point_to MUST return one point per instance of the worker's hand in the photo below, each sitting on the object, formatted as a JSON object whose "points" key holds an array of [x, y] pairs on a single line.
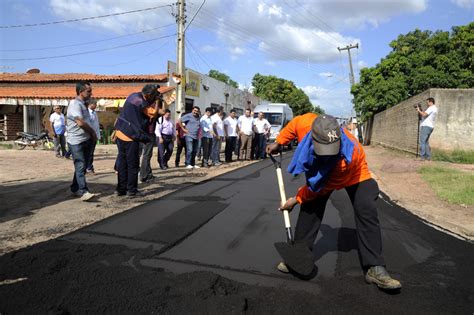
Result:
{"points": [[160, 140], [289, 204], [272, 148]]}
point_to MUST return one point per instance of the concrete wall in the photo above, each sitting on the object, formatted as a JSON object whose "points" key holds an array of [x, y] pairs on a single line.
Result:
{"points": [[396, 127]]}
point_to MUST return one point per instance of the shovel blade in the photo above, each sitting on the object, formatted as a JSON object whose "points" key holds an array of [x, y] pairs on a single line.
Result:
{"points": [[296, 256]]}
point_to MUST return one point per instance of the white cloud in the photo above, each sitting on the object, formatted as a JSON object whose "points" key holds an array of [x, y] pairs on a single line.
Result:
{"points": [[209, 48], [362, 64], [313, 92], [465, 4], [270, 63], [127, 23], [326, 74]]}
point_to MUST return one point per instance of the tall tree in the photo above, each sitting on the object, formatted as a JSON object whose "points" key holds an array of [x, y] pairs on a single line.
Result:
{"points": [[223, 77], [278, 90], [419, 60]]}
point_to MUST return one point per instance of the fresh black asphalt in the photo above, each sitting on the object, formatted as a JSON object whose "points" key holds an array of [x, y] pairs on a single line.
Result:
{"points": [[228, 225]]}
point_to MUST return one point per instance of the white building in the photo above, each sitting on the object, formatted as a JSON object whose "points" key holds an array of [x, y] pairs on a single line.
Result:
{"points": [[204, 91]]}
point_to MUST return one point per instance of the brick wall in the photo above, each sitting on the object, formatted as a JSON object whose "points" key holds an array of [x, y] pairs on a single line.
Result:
{"points": [[396, 127], [13, 123]]}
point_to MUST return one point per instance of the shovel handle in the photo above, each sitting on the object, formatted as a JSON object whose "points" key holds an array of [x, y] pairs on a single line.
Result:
{"points": [[281, 187]]}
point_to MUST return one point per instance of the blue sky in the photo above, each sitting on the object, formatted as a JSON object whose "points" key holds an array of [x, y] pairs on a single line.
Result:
{"points": [[293, 39]]}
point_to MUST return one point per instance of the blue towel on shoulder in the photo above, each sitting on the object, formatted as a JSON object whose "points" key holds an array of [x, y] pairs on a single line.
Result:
{"points": [[316, 168]]}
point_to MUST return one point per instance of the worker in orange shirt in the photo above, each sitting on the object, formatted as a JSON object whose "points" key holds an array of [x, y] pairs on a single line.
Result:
{"points": [[132, 125], [332, 159]]}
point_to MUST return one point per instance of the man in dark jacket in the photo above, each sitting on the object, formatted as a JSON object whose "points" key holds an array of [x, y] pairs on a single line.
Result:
{"points": [[132, 129]]}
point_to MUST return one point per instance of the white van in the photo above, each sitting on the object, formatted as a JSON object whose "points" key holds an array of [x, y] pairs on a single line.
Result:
{"points": [[277, 114]]}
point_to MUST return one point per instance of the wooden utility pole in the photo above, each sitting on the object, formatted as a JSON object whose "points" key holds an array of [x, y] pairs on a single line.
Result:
{"points": [[180, 66], [348, 48]]}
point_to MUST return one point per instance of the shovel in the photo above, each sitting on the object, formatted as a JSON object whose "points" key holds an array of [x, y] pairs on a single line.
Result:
{"points": [[296, 256]]}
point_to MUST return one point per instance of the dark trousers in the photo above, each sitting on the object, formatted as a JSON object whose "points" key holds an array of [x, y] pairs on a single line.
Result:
{"points": [[206, 149], [80, 156], [363, 197], [146, 151], [165, 150], [60, 145], [230, 143], [181, 144], [260, 141], [90, 164], [128, 164]]}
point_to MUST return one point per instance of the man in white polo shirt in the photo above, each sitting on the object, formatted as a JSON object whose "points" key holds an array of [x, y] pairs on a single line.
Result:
{"points": [[262, 128], [245, 130], [428, 118], [230, 130]]}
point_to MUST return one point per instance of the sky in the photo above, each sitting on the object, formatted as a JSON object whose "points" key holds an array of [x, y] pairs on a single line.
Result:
{"points": [[296, 40]]}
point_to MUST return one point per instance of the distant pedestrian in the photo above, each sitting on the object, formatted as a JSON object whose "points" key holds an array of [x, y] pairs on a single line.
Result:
{"points": [[58, 125], [218, 127], [261, 128], [146, 151], [191, 126], [230, 131], [180, 142], [428, 119], [132, 128], [165, 136], [80, 136], [95, 124], [245, 130], [207, 136]]}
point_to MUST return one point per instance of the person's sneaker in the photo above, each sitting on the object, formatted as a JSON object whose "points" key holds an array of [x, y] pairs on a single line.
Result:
{"points": [[189, 167], [137, 193], [283, 268], [195, 166], [217, 163], [76, 194], [87, 196], [119, 193], [379, 276]]}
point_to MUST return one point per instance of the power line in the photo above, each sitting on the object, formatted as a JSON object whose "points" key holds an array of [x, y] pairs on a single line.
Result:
{"points": [[87, 43], [199, 9], [87, 52], [124, 62], [82, 19]]}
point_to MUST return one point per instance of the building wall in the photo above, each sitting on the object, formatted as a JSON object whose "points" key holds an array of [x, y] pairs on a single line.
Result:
{"points": [[397, 127], [212, 91]]}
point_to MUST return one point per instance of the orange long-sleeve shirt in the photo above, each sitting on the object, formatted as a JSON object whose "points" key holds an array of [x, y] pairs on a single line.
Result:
{"points": [[342, 175]]}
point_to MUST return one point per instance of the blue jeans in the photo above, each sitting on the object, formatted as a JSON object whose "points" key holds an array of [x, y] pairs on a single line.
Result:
{"points": [[80, 155], [216, 150], [425, 150], [192, 146]]}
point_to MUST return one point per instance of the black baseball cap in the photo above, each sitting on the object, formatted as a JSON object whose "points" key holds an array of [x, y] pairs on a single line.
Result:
{"points": [[326, 134]]}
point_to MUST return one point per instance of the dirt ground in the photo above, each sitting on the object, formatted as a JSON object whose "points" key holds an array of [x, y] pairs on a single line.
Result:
{"points": [[36, 204]]}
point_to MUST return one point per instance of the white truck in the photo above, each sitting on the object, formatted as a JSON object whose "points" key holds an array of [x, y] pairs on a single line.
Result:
{"points": [[277, 114]]}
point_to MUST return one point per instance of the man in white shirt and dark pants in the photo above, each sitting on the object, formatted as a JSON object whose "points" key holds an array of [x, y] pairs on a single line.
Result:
{"points": [[58, 124], [261, 127], [428, 118], [218, 127], [245, 130], [230, 131]]}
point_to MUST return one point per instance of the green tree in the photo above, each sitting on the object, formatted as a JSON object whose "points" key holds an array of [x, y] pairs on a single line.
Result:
{"points": [[223, 77], [419, 60], [278, 90]]}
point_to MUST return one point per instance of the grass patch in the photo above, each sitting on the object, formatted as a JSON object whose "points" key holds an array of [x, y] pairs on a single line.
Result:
{"points": [[456, 156], [6, 146], [449, 184]]}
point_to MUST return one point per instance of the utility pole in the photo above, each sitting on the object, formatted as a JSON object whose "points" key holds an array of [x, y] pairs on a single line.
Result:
{"points": [[351, 77], [180, 66], [348, 48]]}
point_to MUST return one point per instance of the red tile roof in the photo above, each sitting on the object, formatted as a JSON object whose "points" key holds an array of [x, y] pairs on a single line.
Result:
{"points": [[68, 91], [74, 77]]}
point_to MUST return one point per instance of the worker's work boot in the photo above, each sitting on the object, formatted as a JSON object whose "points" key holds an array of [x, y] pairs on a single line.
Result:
{"points": [[282, 267], [379, 275]]}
